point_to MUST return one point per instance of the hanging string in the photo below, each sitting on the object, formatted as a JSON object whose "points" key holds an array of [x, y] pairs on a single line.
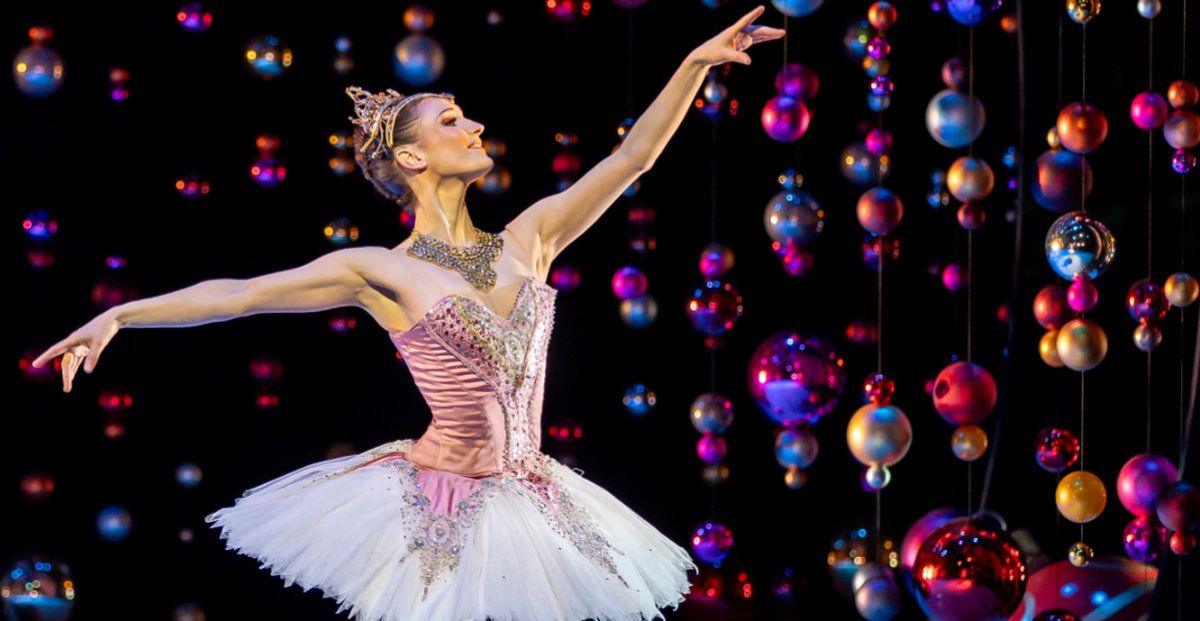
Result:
{"points": [[1149, 219], [970, 236]]}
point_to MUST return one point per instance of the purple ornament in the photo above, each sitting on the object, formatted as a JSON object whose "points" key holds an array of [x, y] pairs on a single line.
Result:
{"points": [[881, 85], [628, 283], [1082, 295], [1148, 110], [1178, 507], [711, 448], [879, 48], [711, 542], [954, 277], [1183, 161], [796, 377], [1145, 539], [1057, 449], [879, 142], [797, 80], [1146, 301]]}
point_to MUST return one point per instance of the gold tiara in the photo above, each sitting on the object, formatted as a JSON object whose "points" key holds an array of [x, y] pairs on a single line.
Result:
{"points": [[377, 111]]}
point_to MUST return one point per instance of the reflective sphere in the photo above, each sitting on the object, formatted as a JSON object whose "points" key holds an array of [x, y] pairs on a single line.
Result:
{"points": [[1182, 94], [1147, 337], [970, 178], [1081, 344], [1080, 554], [1181, 289], [954, 119], [1183, 161], [878, 388], [1082, 11], [1183, 544], [1082, 295], [862, 168], [784, 118], [1178, 507], [954, 74], [796, 377], [969, 442], [1146, 301], [1056, 449], [964, 393], [1149, 8], [1145, 539], [969, 12], [876, 478], [712, 413], [793, 215], [876, 594], [1148, 110], [1064, 179], [797, 8], [881, 14], [1048, 348], [1081, 496], [880, 210], [38, 69], [798, 80], [711, 542], [1082, 127], [711, 448], [418, 59], [1050, 307], [969, 570], [715, 308], [920, 531], [1182, 129], [879, 434], [1079, 243], [796, 447], [715, 260], [971, 215]]}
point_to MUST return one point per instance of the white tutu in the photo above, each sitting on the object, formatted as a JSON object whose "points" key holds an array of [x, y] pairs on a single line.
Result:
{"points": [[360, 530]]}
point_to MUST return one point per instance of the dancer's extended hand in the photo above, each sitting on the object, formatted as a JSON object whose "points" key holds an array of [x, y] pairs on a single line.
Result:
{"points": [[86, 343], [731, 43]]}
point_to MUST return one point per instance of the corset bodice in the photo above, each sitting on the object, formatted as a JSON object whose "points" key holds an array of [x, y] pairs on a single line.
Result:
{"points": [[482, 377]]}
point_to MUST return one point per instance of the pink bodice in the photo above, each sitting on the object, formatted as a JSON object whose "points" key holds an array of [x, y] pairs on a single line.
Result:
{"points": [[482, 377]]}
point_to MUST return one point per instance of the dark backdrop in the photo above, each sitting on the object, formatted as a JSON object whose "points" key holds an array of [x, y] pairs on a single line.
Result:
{"points": [[106, 170]]}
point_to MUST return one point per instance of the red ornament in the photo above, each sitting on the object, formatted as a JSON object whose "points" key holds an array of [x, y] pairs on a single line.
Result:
{"points": [[964, 393], [969, 570]]}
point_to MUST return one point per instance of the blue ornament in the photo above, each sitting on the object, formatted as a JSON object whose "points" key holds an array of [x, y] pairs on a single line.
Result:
{"points": [[418, 59], [797, 8]]}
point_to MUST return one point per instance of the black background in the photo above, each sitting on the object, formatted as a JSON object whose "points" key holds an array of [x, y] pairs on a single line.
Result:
{"points": [[105, 170]]}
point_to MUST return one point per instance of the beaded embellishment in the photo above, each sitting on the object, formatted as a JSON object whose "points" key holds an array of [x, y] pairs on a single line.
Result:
{"points": [[473, 262]]}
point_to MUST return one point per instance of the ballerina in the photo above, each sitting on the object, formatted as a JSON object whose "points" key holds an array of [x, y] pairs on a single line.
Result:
{"points": [[471, 520]]}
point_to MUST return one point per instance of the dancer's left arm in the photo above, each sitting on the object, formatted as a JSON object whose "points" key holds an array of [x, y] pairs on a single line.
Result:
{"points": [[556, 220]]}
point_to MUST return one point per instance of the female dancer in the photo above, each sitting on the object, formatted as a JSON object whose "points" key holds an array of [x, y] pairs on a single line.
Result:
{"points": [[471, 520]]}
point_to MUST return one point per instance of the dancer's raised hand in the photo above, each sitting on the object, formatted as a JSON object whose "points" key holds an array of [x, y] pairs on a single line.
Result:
{"points": [[84, 344], [730, 45]]}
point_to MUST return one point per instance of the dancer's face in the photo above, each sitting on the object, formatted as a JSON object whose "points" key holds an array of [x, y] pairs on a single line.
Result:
{"points": [[450, 144]]}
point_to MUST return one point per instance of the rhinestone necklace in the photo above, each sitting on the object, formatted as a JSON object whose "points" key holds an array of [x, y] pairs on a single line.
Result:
{"points": [[473, 262]]}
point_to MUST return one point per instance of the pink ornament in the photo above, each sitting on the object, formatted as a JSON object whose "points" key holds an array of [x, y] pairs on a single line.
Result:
{"points": [[797, 80], [969, 570], [964, 393], [711, 448], [954, 277], [1082, 295], [1148, 110], [785, 118], [1142, 480], [628, 283], [879, 142]]}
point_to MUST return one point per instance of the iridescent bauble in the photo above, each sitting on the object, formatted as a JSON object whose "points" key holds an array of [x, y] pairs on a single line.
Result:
{"points": [[796, 447], [38, 69], [879, 435], [1050, 307], [1183, 161], [1178, 507], [1082, 127], [1182, 129], [784, 118], [880, 210], [1145, 539], [1056, 449], [879, 48], [1181, 289], [920, 531], [268, 56], [964, 393], [860, 167], [875, 478], [881, 85], [1082, 344], [970, 178], [1182, 94], [1081, 496], [878, 388], [1149, 8], [1079, 243], [1146, 301], [712, 413], [969, 12], [629, 282], [797, 8], [1147, 337], [969, 442], [881, 14], [797, 80], [1148, 110], [711, 542], [1080, 554], [1062, 177], [876, 594], [711, 448], [954, 119], [969, 569], [715, 260], [1082, 11], [418, 59], [793, 215], [715, 308], [796, 377]]}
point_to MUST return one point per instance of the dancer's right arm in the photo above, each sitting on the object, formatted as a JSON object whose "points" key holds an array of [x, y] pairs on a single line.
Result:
{"points": [[329, 281]]}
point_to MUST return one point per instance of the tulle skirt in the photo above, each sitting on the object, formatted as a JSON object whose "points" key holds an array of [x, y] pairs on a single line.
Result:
{"points": [[390, 541]]}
